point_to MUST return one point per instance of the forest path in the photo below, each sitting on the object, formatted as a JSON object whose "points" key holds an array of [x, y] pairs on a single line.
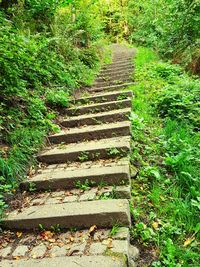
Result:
{"points": [[83, 183]]}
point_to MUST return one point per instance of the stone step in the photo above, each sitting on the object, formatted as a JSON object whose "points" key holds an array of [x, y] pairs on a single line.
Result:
{"points": [[102, 213], [72, 261], [99, 107], [113, 77], [102, 97], [117, 66], [91, 132], [115, 174], [117, 71], [82, 192], [118, 63], [111, 87], [92, 150], [113, 82], [98, 118]]}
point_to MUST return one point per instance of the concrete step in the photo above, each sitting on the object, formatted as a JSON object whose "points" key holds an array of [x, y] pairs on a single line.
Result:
{"points": [[102, 97], [98, 118], [61, 178], [72, 261], [111, 87], [99, 107], [91, 132], [77, 194], [113, 77], [117, 66], [92, 150], [117, 71], [118, 63], [102, 213], [113, 82]]}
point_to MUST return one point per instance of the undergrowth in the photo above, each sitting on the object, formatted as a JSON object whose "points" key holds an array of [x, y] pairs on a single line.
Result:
{"points": [[45, 54], [166, 148]]}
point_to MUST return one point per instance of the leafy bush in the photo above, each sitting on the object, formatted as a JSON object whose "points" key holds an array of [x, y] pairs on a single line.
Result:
{"points": [[57, 98], [166, 148], [43, 59], [181, 102]]}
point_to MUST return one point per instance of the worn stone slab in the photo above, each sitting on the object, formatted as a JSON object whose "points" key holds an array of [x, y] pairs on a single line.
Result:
{"points": [[92, 150], [103, 213], [92, 132], [74, 261], [99, 107], [116, 71], [111, 87], [116, 65], [5, 252], [111, 82], [98, 118], [113, 77], [106, 96], [67, 179], [20, 251], [123, 191], [38, 251]]}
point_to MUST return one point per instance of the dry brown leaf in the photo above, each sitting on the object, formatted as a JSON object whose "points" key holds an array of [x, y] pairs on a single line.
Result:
{"points": [[92, 229], [19, 234]]}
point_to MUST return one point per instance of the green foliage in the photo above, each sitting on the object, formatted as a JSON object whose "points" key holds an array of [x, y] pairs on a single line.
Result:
{"points": [[48, 48], [165, 204], [57, 98], [171, 27]]}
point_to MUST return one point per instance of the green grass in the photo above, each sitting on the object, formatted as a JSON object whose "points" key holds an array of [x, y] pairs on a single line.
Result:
{"points": [[166, 203]]}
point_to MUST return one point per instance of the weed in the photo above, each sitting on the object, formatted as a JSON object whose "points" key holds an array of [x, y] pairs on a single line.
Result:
{"points": [[32, 187], [113, 151], [114, 230], [83, 186], [84, 156], [165, 143], [56, 228], [41, 227]]}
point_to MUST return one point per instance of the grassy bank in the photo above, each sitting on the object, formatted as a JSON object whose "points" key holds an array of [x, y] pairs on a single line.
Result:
{"points": [[166, 149], [45, 55]]}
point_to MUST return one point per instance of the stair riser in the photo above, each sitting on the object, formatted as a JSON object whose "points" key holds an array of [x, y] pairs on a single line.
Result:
{"points": [[118, 71], [70, 183], [91, 155], [67, 222], [105, 107], [112, 78], [110, 88], [80, 215], [96, 135], [103, 98], [96, 121], [108, 83], [118, 63], [118, 66]]}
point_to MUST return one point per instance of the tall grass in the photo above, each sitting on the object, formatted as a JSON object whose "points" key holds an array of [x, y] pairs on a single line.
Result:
{"points": [[167, 152]]}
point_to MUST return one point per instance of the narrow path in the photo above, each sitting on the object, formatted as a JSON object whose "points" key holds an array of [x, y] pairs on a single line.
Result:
{"points": [[83, 183]]}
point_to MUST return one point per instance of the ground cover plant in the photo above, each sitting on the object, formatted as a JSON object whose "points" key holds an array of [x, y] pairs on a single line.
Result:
{"points": [[46, 51], [165, 205]]}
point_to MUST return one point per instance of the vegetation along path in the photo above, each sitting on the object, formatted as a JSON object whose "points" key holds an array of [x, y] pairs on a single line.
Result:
{"points": [[82, 184]]}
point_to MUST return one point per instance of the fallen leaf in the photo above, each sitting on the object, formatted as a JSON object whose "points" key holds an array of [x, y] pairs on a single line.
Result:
{"points": [[16, 258], [188, 241], [71, 239], [19, 234], [110, 245], [155, 225], [92, 229]]}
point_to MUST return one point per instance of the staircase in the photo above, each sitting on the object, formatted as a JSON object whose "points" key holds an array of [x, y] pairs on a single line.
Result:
{"points": [[76, 212]]}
